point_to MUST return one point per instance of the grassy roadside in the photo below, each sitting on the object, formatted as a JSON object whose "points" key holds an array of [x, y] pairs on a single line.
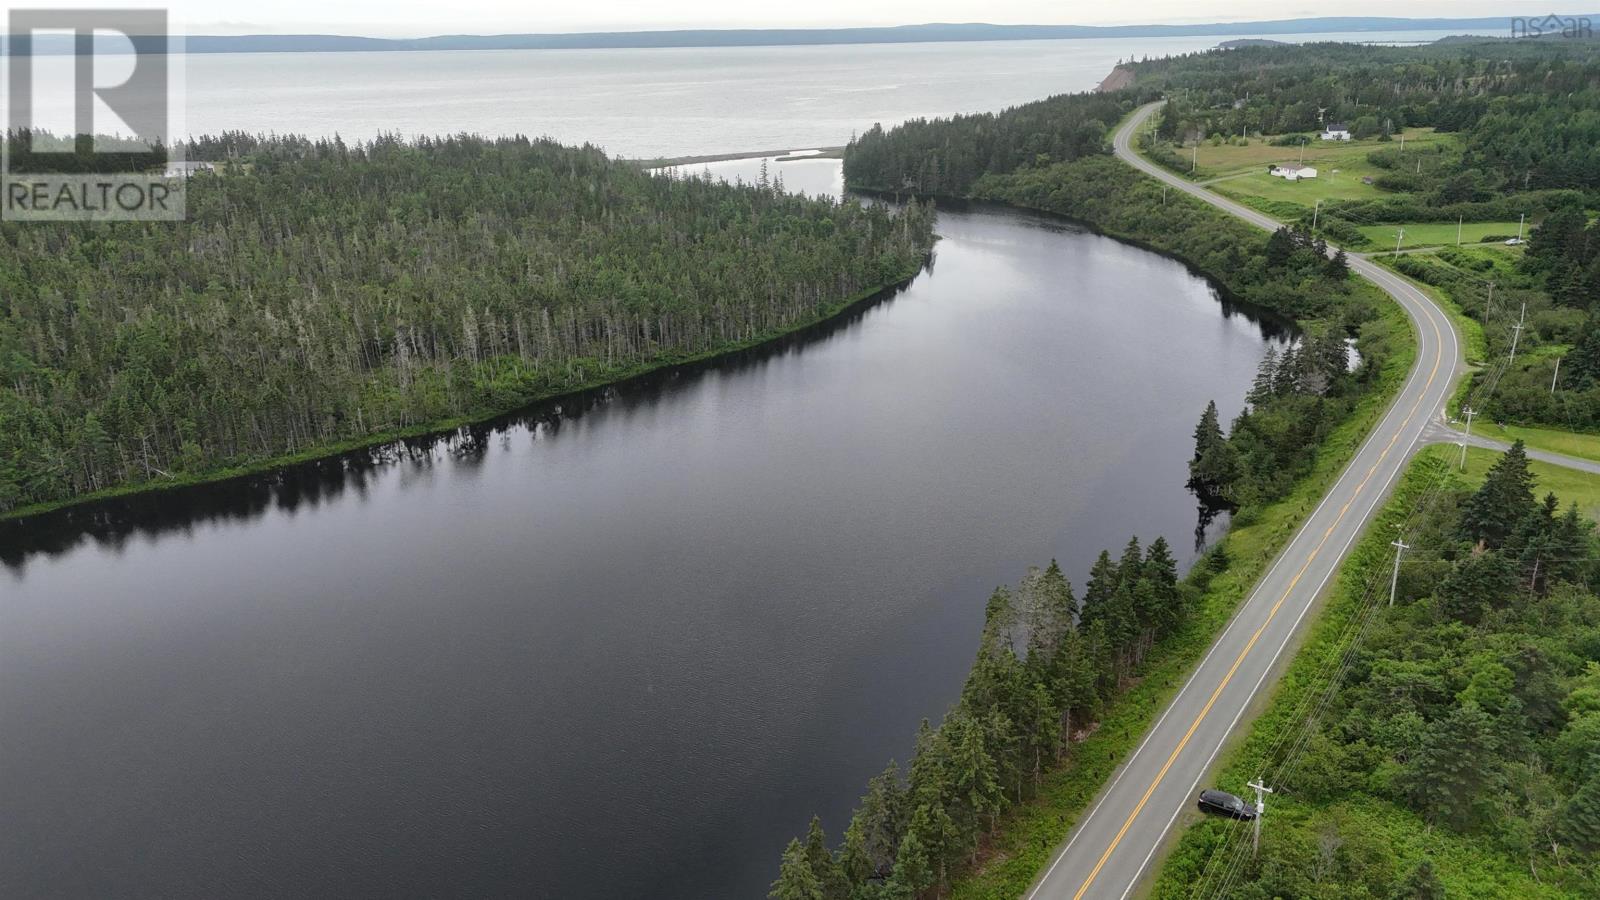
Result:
{"points": [[1031, 832], [1474, 347], [1570, 485], [1468, 870], [610, 377], [1567, 443]]}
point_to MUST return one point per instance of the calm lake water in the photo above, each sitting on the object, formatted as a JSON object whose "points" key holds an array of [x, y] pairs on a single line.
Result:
{"points": [[624, 648], [659, 102], [624, 652]]}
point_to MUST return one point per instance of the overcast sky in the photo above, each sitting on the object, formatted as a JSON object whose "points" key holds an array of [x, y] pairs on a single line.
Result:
{"points": [[414, 18]]}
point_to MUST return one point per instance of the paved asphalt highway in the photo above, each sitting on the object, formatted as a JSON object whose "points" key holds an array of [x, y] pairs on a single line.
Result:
{"points": [[1111, 847]]}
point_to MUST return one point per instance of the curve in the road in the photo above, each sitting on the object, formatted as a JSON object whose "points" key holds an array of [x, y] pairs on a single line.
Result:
{"points": [[1111, 847]]}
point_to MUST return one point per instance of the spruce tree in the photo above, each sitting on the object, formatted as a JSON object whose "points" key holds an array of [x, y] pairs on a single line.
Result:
{"points": [[1208, 433], [1450, 771], [881, 818], [1422, 884], [913, 869], [823, 864], [1504, 499], [1338, 267], [796, 881], [1099, 588], [1263, 388], [1579, 824]]}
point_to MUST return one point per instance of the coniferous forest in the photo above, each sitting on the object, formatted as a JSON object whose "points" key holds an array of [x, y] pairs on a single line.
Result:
{"points": [[1473, 711], [1047, 660], [1458, 751], [322, 293]]}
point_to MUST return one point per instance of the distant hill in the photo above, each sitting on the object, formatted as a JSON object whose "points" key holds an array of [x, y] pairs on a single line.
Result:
{"points": [[766, 37], [1249, 42]]}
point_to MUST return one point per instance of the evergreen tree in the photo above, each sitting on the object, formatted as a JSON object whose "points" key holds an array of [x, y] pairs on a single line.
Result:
{"points": [[1280, 248], [1475, 584], [1216, 468], [1338, 267], [1131, 566], [1261, 390], [1422, 884], [1579, 823], [881, 819], [1208, 433], [1447, 777], [855, 863], [1504, 499], [1581, 366], [796, 880], [1051, 612], [1159, 566], [914, 868], [1098, 589], [827, 869], [1041, 730]]}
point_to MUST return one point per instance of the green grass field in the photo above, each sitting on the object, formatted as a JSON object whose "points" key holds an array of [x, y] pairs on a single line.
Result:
{"points": [[1341, 166], [1325, 187], [1567, 443], [1434, 234]]}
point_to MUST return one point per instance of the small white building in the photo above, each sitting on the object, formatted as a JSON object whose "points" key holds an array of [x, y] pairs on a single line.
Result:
{"points": [[187, 169], [1336, 133], [1293, 173]]}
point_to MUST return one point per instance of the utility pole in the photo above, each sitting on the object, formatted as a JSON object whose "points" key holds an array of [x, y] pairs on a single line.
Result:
{"points": [[1489, 305], [1459, 220], [1394, 583], [1315, 211], [1397, 239], [1195, 165], [1163, 194], [1469, 412], [1517, 335], [1556, 376], [1261, 807], [1521, 221]]}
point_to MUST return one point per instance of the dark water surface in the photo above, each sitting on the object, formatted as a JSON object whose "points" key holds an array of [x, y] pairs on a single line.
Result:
{"points": [[622, 653]]}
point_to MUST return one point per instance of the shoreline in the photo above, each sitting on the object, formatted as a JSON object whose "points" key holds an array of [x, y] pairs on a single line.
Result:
{"points": [[789, 154], [80, 512]]}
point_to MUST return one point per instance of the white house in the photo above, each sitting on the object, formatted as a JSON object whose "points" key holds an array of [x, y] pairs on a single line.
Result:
{"points": [[1293, 172], [1336, 133], [187, 169]]}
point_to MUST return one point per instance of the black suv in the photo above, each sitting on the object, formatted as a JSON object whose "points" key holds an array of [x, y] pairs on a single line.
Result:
{"points": [[1218, 803]]}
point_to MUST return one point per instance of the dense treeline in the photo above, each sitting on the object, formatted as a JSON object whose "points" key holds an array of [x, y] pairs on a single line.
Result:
{"points": [[1295, 401], [1046, 661], [322, 293], [1474, 705], [1528, 112], [1557, 282], [946, 156]]}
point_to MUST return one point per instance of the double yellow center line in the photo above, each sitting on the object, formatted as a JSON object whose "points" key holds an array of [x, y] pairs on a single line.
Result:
{"points": [[1195, 725]]}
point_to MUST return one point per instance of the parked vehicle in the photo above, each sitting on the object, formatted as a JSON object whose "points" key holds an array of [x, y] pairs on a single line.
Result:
{"points": [[1221, 803]]}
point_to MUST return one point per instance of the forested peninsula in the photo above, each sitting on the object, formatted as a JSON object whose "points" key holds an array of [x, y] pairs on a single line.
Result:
{"points": [[322, 294]]}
